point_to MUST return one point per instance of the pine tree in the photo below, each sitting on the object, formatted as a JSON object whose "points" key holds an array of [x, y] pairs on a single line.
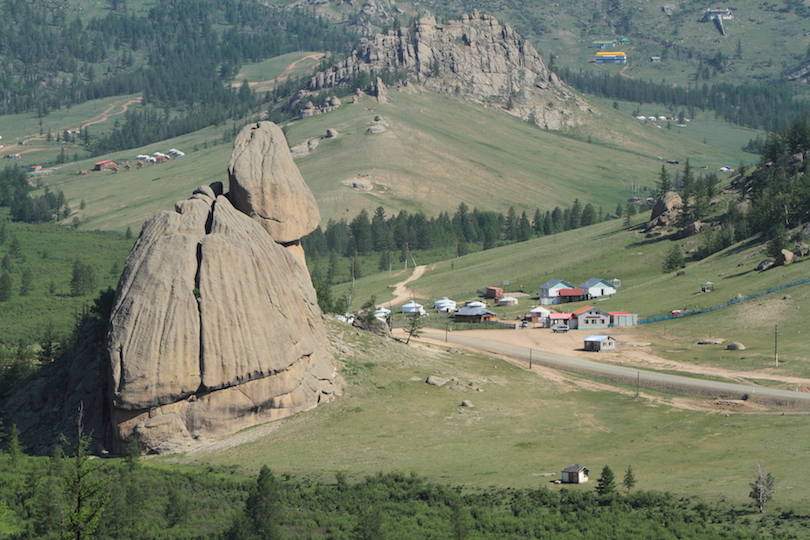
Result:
{"points": [[5, 287], [664, 182], [607, 482], [629, 481], [674, 260], [26, 282], [414, 327], [262, 515], [85, 486]]}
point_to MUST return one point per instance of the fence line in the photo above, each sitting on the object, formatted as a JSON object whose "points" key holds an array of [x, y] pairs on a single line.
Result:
{"points": [[724, 304]]}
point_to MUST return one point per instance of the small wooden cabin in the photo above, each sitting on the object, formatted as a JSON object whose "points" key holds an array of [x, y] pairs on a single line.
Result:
{"points": [[575, 474]]}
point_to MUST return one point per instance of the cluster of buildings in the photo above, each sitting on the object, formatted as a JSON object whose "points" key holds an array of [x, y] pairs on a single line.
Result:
{"points": [[610, 57], [558, 291], [157, 157]]}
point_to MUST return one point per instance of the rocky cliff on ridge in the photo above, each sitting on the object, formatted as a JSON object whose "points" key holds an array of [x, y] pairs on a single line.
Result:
{"points": [[475, 57]]}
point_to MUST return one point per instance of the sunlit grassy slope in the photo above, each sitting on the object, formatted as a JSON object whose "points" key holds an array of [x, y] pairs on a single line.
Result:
{"points": [[609, 250], [435, 153]]}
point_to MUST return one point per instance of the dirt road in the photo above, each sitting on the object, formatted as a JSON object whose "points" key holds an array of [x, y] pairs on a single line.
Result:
{"points": [[401, 292], [559, 352]]}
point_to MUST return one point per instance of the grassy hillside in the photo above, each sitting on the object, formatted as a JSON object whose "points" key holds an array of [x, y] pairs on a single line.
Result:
{"points": [[524, 427], [436, 152], [48, 252], [609, 250]]}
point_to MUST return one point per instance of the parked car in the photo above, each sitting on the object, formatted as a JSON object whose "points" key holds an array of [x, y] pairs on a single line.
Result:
{"points": [[524, 324], [560, 328]]}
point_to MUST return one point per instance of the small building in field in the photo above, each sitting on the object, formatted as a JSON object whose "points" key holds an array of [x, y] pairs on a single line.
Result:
{"points": [[599, 343], [596, 287], [106, 165], [550, 291], [571, 295], [623, 318], [707, 287], [382, 313], [575, 474], [507, 301], [494, 292], [468, 314], [476, 304], [589, 317]]}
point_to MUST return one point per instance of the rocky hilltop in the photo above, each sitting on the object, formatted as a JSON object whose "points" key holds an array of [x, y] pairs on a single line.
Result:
{"points": [[475, 57], [214, 327]]}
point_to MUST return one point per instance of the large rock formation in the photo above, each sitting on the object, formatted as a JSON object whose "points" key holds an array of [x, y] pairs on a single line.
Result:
{"points": [[265, 184], [665, 211], [476, 57], [216, 326]]}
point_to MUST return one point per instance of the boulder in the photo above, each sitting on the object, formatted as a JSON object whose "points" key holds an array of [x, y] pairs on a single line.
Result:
{"points": [[710, 341], [665, 211], [265, 184], [690, 230], [764, 265], [188, 358], [735, 346], [331, 133], [437, 381], [467, 403], [785, 257], [801, 250]]}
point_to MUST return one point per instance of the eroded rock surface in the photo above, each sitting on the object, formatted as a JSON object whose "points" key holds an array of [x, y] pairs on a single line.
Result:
{"points": [[265, 184], [475, 57], [215, 327]]}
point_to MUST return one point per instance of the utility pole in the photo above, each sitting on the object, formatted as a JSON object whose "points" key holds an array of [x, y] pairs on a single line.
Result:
{"points": [[530, 359], [776, 344]]}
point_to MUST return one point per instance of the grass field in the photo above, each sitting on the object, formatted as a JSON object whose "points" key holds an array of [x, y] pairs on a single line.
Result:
{"points": [[522, 430], [286, 66], [49, 251]]}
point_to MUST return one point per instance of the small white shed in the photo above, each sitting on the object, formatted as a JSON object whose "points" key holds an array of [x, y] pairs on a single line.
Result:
{"points": [[508, 301], [575, 474]]}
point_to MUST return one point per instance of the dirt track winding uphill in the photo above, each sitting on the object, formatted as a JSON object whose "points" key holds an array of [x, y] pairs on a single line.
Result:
{"points": [[401, 292]]}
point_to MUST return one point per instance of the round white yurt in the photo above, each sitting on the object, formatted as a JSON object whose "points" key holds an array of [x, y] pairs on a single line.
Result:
{"points": [[412, 307]]}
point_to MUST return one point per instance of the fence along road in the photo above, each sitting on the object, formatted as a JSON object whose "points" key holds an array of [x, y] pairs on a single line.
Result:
{"points": [[626, 375]]}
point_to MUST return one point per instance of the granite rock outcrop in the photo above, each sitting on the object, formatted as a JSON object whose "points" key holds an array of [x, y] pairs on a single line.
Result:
{"points": [[475, 57], [215, 325]]}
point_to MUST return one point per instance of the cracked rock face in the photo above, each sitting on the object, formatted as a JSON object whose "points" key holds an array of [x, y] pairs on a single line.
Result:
{"points": [[215, 327]]}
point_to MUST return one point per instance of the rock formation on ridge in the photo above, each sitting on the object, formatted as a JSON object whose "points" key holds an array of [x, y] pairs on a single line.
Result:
{"points": [[475, 57], [215, 325]]}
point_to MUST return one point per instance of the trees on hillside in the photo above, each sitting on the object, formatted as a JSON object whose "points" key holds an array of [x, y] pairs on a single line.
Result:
{"points": [[762, 488], [607, 482]]}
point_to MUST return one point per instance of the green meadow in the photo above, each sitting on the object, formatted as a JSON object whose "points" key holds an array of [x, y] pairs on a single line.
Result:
{"points": [[522, 429]]}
